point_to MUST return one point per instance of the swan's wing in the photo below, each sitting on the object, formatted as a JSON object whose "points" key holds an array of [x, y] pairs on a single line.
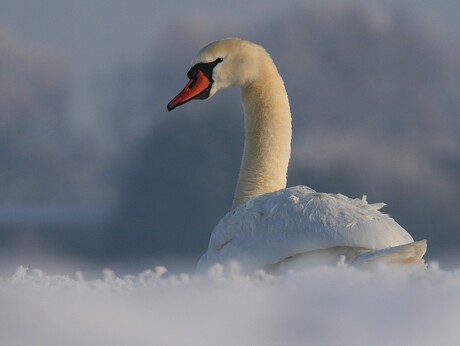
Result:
{"points": [[411, 253], [272, 227]]}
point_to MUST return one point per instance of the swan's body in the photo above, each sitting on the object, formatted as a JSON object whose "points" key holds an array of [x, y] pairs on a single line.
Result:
{"points": [[292, 224], [269, 224]]}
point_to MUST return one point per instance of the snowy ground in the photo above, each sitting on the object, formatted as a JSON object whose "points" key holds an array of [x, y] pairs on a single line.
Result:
{"points": [[321, 306]]}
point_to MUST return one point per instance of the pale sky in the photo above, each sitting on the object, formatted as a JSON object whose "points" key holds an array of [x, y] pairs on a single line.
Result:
{"points": [[89, 38]]}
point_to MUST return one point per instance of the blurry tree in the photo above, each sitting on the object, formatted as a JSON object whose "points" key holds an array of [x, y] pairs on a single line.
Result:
{"points": [[181, 182], [42, 160], [45, 164]]}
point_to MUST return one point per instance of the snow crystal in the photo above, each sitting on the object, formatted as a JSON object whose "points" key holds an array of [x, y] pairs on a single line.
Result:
{"points": [[319, 306]]}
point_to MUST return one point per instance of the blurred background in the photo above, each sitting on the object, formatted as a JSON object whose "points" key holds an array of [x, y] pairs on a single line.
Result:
{"points": [[94, 170]]}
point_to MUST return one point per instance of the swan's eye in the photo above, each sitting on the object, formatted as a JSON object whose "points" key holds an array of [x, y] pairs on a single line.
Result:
{"points": [[205, 67]]}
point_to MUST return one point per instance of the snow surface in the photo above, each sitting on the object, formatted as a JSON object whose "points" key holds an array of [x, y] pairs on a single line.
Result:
{"points": [[320, 306]]}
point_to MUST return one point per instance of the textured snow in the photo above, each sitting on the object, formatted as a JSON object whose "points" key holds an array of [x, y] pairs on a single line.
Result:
{"points": [[320, 306]]}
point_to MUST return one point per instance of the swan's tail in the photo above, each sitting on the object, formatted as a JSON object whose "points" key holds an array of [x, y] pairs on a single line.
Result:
{"points": [[411, 253]]}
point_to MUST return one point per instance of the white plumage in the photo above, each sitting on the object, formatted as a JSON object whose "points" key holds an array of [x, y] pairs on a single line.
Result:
{"points": [[271, 226]]}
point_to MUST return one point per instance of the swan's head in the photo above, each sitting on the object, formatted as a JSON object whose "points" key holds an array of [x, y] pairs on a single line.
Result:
{"points": [[219, 65]]}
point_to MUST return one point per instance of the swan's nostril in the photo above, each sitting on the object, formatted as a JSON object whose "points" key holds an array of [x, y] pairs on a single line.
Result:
{"points": [[197, 88]]}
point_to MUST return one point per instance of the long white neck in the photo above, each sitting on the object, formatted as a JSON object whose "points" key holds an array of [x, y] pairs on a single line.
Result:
{"points": [[267, 146]]}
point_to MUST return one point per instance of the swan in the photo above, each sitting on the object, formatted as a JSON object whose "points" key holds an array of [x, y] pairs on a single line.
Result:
{"points": [[271, 226]]}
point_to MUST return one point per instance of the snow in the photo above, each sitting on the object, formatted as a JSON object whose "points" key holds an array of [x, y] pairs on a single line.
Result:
{"points": [[320, 306]]}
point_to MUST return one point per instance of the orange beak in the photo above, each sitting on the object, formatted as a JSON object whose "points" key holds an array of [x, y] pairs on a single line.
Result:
{"points": [[196, 88]]}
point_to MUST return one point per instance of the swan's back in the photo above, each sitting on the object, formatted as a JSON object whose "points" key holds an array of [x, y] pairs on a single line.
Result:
{"points": [[276, 226]]}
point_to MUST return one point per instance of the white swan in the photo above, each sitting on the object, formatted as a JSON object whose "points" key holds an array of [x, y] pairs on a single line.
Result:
{"points": [[271, 226]]}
